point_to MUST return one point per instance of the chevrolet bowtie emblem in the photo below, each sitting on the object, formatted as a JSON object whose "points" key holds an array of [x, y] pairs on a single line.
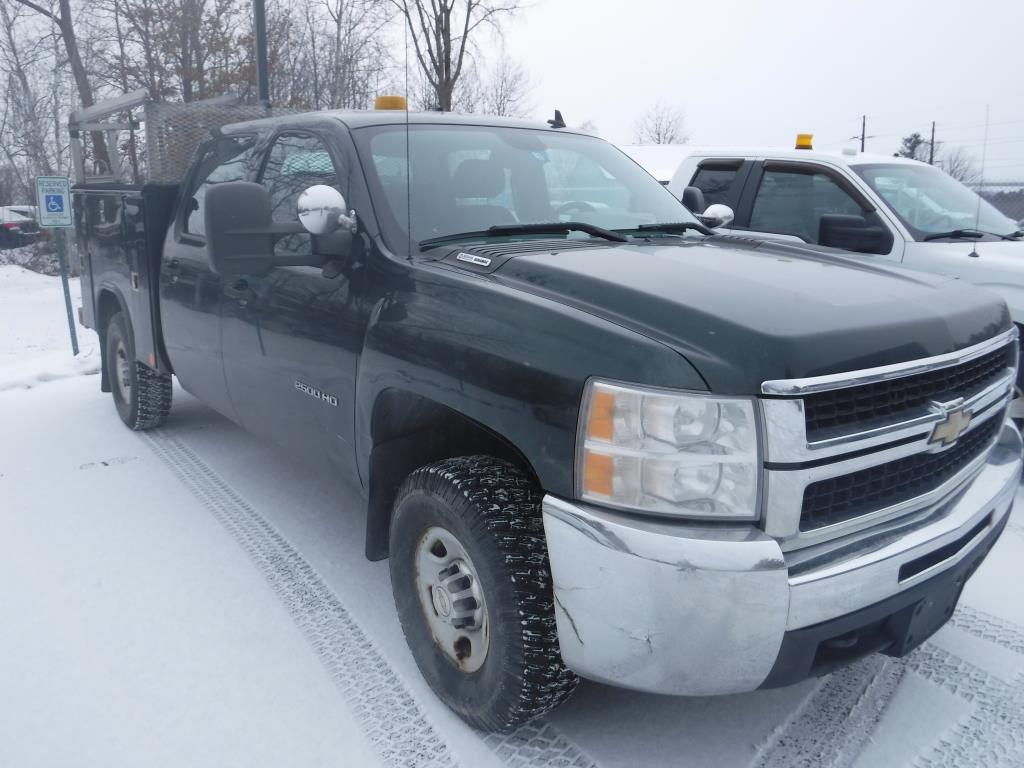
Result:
{"points": [[948, 430]]}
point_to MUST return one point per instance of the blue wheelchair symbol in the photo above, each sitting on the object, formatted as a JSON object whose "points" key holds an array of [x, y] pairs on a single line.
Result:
{"points": [[54, 203]]}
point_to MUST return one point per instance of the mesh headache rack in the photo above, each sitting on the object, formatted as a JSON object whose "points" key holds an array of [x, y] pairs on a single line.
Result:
{"points": [[155, 146]]}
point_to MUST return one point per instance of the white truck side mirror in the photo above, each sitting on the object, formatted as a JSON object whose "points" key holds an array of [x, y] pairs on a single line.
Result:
{"points": [[717, 215]]}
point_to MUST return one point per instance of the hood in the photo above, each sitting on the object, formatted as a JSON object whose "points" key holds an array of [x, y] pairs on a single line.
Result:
{"points": [[1000, 249], [994, 264], [744, 311]]}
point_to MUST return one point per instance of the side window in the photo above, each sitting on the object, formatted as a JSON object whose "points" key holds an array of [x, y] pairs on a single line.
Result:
{"points": [[716, 182], [296, 162], [227, 159], [792, 203]]}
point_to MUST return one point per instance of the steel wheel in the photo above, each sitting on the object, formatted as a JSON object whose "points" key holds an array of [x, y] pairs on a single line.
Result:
{"points": [[451, 598], [123, 368]]}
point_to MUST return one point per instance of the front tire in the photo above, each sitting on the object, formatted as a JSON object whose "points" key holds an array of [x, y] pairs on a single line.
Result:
{"points": [[142, 396], [472, 585]]}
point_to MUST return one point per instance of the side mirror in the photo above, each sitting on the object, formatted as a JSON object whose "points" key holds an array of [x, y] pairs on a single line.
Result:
{"points": [[693, 199], [853, 233], [239, 240], [322, 210], [717, 215]]}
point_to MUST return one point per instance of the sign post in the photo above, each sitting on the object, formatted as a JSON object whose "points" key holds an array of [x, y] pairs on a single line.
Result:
{"points": [[53, 198]]}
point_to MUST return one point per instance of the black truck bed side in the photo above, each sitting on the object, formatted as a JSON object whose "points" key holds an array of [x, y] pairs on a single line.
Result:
{"points": [[120, 230]]}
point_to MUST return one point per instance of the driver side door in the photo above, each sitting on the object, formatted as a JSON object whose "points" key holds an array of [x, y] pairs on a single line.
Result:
{"points": [[789, 200], [292, 336]]}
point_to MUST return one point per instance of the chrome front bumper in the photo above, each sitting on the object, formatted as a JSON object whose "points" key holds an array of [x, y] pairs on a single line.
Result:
{"points": [[692, 609]]}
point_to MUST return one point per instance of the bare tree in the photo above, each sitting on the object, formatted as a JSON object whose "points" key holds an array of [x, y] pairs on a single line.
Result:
{"points": [[26, 116], [960, 164], [505, 92], [65, 24], [327, 54], [442, 33], [957, 162], [661, 124]]}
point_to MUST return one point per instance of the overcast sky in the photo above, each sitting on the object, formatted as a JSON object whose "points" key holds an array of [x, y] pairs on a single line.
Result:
{"points": [[760, 72]]}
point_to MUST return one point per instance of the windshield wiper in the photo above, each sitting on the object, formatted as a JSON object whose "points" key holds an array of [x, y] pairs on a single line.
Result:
{"points": [[968, 234], [675, 226], [554, 228], [559, 227]]}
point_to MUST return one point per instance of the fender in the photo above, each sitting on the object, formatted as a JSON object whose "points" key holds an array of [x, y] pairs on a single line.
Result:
{"points": [[1012, 293], [513, 362]]}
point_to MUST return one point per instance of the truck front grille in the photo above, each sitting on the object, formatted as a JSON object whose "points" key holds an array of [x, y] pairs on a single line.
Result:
{"points": [[835, 409], [851, 451], [841, 498]]}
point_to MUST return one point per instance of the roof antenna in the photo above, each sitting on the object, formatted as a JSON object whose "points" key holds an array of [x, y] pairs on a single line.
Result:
{"points": [[558, 122], [981, 181]]}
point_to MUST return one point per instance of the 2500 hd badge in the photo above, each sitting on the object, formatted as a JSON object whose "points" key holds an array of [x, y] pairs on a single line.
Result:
{"points": [[318, 394]]}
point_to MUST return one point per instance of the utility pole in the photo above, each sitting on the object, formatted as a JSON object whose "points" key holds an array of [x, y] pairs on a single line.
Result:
{"points": [[259, 13], [931, 147], [863, 133]]}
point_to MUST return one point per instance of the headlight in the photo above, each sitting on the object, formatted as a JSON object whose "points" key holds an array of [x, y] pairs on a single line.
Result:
{"points": [[668, 453]]}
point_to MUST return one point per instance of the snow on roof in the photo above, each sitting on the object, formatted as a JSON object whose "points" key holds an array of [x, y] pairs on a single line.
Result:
{"points": [[662, 160], [843, 156], [659, 160]]}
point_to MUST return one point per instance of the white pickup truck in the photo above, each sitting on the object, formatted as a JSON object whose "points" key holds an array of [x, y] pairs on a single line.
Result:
{"points": [[877, 206]]}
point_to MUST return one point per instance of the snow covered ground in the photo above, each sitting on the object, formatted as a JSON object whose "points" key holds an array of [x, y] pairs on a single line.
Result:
{"points": [[35, 344], [189, 597]]}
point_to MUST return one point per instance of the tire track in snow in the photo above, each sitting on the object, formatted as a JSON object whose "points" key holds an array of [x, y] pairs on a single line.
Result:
{"points": [[832, 725], [538, 744], [992, 735], [394, 723], [990, 628]]}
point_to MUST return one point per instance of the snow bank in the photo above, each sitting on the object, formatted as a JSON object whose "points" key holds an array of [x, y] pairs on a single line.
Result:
{"points": [[38, 257], [34, 341]]}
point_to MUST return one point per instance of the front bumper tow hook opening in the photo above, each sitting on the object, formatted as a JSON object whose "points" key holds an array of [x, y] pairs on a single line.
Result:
{"points": [[843, 642]]}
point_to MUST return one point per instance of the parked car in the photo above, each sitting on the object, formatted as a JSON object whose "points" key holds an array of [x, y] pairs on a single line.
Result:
{"points": [[594, 438], [18, 225], [885, 209]]}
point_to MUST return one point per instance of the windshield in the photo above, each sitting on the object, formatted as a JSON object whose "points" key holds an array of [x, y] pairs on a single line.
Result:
{"points": [[467, 178], [930, 202]]}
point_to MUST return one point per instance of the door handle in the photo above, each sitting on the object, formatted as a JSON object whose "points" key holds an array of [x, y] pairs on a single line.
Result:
{"points": [[173, 265]]}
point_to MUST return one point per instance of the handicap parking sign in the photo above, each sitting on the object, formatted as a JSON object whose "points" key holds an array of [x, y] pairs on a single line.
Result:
{"points": [[53, 196]]}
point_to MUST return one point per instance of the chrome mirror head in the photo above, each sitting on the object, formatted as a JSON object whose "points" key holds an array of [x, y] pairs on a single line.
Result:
{"points": [[322, 210], [717, 215]]}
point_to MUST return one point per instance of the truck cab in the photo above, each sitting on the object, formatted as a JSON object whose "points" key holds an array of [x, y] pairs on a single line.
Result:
{"points": [[593, 437], [879, 208]]}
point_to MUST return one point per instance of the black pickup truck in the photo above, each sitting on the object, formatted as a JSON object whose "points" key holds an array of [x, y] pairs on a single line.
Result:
{"points": [[594, 438]]}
